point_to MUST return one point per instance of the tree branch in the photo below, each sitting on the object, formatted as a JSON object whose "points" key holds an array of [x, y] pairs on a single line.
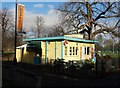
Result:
{"points": [[104, 12], [108, 30]]}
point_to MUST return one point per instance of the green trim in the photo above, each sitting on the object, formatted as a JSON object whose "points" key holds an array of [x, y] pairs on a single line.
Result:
{"points": [[46, 52], [62, 49], [37, 45], [41, 45], [60, 38]]}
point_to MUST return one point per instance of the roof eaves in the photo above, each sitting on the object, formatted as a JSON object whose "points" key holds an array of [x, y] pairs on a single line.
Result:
{"points": [[80, 40], [44, 39], [59, 38]]}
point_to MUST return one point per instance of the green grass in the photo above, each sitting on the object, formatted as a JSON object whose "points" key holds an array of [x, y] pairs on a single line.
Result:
{"points": [[113, 55], [8, 52]]}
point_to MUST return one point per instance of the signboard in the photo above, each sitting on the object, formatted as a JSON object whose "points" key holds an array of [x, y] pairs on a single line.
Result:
{"points": [[20, 11], [92, 53]]}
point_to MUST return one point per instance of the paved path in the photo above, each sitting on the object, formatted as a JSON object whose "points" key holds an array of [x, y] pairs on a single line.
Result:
{"points": [[48, 80]]}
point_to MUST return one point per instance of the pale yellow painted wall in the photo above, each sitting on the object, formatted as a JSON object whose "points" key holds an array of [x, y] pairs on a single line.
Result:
{"points": [[58, 49], [68, 56], [43, 49], [51, 50], [86, 45], [28, 57], [75, 35], [18, 54], [79, 55]]}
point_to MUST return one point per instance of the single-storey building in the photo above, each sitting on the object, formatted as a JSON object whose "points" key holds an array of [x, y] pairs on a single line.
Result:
{"points": [[47, 49]]}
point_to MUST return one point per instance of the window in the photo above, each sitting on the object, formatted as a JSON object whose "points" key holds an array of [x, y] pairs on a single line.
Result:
{"points": [[85, 50], [76, 50], [70, 50], [73, 50], [65, 50], [88, 50]]}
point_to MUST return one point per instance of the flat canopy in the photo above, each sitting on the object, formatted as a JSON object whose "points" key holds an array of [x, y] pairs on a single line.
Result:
{"points": [[59, 38]]}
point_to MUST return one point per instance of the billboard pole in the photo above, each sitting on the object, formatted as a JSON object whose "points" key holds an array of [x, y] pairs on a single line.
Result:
{"points": [[15, 60]]}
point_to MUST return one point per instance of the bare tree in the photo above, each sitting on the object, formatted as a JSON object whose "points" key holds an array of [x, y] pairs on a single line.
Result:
{"points": [[7, 24], [56, 30], [39, 25], [89, 17]]}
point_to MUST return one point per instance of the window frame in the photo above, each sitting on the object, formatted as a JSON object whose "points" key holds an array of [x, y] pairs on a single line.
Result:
{"points": [[66, 50], [76, 53], [88, 50], [70, 50]]}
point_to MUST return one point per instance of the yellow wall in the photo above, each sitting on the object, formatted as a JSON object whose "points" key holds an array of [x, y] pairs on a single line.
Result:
{"points": [[86, 45], [43, 46], [75, 35], [18, 54], [68, 56], [51, 50], [27, 57], [79, 54], [58, 49]]}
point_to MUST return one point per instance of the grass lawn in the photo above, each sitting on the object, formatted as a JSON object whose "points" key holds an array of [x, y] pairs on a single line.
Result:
{"points": [[113, 55]]}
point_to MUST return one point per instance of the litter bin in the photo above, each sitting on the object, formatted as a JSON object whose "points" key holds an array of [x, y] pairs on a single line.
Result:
{"points": [[37, 60]]}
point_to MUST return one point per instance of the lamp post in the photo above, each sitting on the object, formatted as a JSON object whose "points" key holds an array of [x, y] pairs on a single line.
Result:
{"points": [[113, 48], [15, 60]]}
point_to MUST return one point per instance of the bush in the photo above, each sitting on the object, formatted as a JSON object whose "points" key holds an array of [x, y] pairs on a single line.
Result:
{"points": [[59, 65], [88, 64]]}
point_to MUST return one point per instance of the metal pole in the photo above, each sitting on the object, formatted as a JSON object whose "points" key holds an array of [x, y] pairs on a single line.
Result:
{"points": [[102, 54], [113, 47], [96, 64], [15, 60]]}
